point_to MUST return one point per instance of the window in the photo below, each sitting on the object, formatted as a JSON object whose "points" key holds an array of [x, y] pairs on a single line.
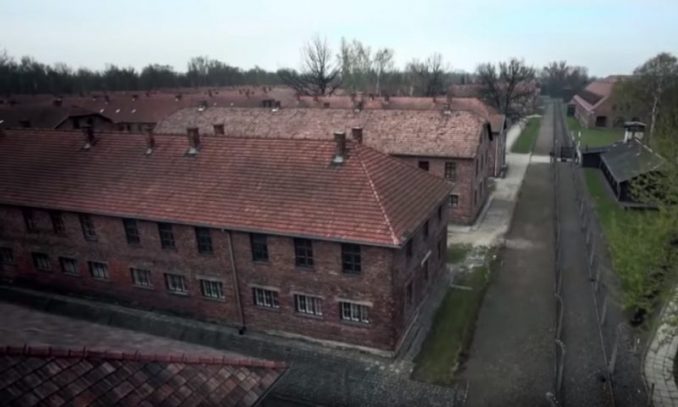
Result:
{"points": [[69, 266], [350, 258], [41, 262], [408, 248], [265, 298], [423, 165], [57, 223], [354, 312], [450, 170], [176, 284], [29, 220], [204, 239], [141, 277], [305, 304], [131, 231], [6, 256], [426, 229], [98, 270], [409, 293], [259, 247], [166, 236], [454, 201], [303, 252], [88, 231], [212, 289]]}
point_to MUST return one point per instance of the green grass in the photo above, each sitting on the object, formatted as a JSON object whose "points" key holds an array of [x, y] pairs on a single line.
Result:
{"points": [[605, 204], [452, 330], [457, 253], [596, 137], [525, 142]]}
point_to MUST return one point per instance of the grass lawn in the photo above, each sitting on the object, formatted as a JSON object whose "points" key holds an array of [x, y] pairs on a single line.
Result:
{"points": [[596, 137], [452, 330], [457, 253], [525, 142], [605, 204]]}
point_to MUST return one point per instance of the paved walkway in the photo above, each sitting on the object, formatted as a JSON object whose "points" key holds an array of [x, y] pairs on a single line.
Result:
{"points": [[660, 359], [511, 357], [494, 222]]}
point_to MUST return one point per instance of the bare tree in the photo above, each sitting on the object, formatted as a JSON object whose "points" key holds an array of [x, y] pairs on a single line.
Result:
{"points": [[319, 74], [558, 79], [383, 63], [509, 87], [429, 76]]}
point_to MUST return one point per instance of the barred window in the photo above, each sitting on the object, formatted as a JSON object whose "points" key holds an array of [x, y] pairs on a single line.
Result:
{"points": [[6, 256], [306, 304], [423, 165], [212, 289], [454, 201], [29, 220], [57, 223], [303, 252], [265, 298], [166, 236], [259, 247], [354, 312], [41, 262], [204, 239], [98, 270], [131, 231], [350, 258], [176, 284], [88, 231], [451, 170], [141, 277], [69, 266]]}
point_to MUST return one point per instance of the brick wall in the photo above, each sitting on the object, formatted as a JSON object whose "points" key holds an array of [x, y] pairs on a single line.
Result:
{"points": [[380, 284]]}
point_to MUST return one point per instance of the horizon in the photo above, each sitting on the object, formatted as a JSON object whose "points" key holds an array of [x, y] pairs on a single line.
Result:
{"points": [[270, 34]]}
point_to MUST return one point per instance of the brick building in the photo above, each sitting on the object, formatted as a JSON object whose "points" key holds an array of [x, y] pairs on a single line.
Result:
{"points": [[595, 105], [455, 145], [328, 240]]}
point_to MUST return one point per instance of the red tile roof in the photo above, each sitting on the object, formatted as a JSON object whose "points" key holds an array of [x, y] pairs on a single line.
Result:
{"points": [[277, 186], [596, 92], [55, 377], [399, 132]]}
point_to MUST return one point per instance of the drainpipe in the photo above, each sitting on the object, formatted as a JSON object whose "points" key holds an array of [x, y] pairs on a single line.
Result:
{"points": [[236, 283]]}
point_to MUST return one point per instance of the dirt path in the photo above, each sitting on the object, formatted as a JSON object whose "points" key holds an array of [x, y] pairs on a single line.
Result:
{"points": [[511, 357]]}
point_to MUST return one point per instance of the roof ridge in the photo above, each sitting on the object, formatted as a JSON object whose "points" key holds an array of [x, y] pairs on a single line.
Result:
{"points": [[84, 353], [376, 196]]}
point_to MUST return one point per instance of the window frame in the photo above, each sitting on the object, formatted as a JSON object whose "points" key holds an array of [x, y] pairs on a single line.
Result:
{"points": [[95, 267], [203, 239], [303, 253], [208, 291], [171, 280], [37, 258], [136, 274], [424, 165], [63, 260], [29, 220], [89, 232], [7, 256], [308, 305], [353, 312], [450, 173], [131, 228], [265, 298], [58, 225], [166, 235], [259, 247], [453, 201], [351, 256]]}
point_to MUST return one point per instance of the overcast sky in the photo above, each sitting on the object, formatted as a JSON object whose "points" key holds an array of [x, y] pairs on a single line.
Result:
{"points": [[607, 36]]}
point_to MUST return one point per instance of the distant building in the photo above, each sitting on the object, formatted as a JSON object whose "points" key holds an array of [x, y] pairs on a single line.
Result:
{"points": [[327, 240], [454, 145], [54, 116], [595, 105]]}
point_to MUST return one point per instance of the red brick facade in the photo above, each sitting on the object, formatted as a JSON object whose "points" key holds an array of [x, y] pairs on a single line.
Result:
{"points": [[382, 284]]}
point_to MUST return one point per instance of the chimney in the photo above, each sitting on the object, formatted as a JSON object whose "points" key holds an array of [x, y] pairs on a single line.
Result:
{"points": [[193, 141], [177, 97], [57, 102], [447, 109], [107, 99], [90, 140], [357, 133], [150, 142], [387, 98], [326, 105], [135, 97], [219, 129], [340, 153], [277, 104]]}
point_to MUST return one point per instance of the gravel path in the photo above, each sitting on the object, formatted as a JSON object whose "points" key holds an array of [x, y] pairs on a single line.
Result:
{"points": [[511, 357]]}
